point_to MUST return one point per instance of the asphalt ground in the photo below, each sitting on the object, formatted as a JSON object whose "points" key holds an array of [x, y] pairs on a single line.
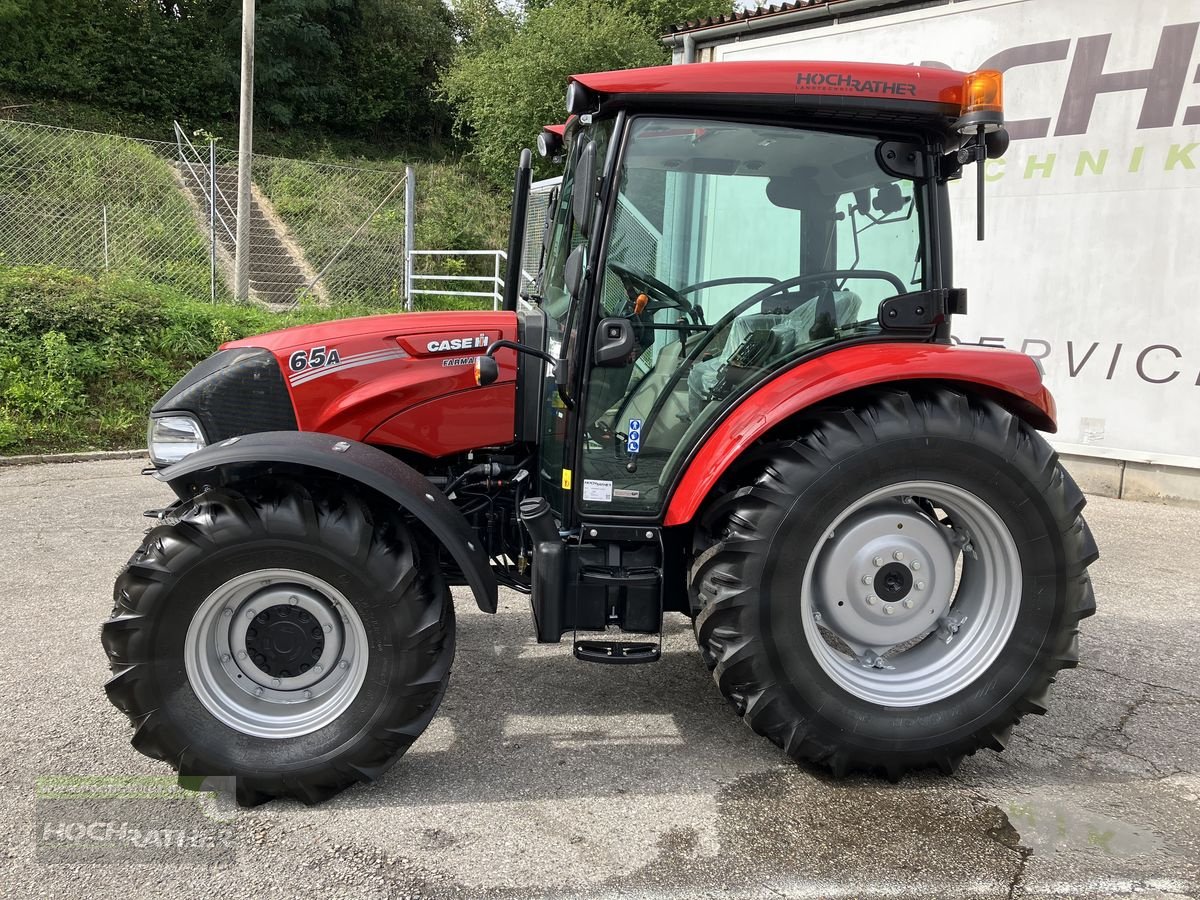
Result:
{"points": [[544, 776]]}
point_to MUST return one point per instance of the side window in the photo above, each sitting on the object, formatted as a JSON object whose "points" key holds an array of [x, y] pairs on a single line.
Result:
{"points": [[877, 228]]}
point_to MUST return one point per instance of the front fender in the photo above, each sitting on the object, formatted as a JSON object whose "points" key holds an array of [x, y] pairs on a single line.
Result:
{"points": [[369, 466], [1011, 379]]}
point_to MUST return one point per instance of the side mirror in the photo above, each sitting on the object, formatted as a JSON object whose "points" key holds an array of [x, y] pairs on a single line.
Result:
{"points": [[574, 270], [614, 342], [997, 143], [583, 198]]}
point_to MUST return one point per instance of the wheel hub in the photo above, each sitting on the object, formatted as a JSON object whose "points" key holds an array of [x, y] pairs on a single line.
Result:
{"points": [[283, 641], [885, 576], [893, 582]]}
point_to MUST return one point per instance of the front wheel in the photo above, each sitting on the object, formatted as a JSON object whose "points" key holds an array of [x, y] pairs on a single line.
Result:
{"points": [[899, 586], [283, 637]]}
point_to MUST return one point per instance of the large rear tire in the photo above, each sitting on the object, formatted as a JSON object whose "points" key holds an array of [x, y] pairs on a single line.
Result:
{"points": [[280, 640], [897, 587]]}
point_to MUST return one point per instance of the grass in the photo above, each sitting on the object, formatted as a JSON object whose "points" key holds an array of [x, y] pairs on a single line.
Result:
{"points": [[83, 358]]}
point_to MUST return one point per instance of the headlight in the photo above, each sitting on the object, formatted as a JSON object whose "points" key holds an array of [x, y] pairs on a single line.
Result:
{"points": [[171, 438]]}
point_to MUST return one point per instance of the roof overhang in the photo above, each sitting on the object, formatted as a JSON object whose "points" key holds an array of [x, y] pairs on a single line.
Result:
{"points": [[778, 17]]}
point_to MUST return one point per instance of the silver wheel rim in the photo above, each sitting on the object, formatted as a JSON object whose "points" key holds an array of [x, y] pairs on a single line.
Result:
{"points": [[912, 593], [306, 682]]}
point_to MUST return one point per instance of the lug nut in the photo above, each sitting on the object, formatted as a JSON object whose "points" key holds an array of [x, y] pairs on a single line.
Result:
{"points": [[241, 654], [898, 556], [870, 599], [878, 561], [249, 614], [274, 682], [258, 692], [345, 664], [916, 565], [292, 601], [308, 695], [908, 604], [318, 669], [889, 609], [228, 612], [920, 585], [224, 657], [867, 579]]}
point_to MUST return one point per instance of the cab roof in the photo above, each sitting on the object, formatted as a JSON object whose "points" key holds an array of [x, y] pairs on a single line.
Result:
{"points": [[807, 82]]}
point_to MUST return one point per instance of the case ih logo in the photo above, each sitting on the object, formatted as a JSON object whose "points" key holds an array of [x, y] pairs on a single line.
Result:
{"points": [[827, 81], [443, 345]]}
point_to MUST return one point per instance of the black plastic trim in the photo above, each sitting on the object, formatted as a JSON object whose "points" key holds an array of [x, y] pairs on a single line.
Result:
{"points": [[228, 461], [233, 392]]}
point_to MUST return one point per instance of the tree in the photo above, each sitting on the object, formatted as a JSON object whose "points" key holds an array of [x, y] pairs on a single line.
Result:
{"points": [[504, 92], [392, 61]]}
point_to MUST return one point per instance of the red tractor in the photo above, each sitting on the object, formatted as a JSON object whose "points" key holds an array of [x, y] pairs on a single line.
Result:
{"points": [[733, 397]]}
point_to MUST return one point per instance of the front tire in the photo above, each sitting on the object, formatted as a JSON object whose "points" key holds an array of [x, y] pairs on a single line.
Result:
{"points": [[282, 639], [896, 588]]}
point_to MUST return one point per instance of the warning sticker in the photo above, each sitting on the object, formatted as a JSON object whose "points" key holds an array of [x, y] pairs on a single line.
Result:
{"points": [[633, 443], [597, 491]]}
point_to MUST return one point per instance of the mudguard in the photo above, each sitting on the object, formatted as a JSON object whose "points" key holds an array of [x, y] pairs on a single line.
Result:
{"points": [[1011, 379], [358, 462]]}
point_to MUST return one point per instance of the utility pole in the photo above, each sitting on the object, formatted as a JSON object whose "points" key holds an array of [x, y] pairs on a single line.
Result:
{"points": [[241, 259]]}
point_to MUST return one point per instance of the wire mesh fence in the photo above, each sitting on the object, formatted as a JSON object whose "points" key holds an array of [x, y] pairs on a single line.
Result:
{"points": [[166, 212], [96, 203]]}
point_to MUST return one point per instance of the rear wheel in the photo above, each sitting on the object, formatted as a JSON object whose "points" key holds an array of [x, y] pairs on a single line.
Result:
{"points": [[284, 637], [899, 586]]}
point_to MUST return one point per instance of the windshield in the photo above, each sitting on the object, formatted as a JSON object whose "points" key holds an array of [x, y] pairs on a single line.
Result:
{"points": [[733, 249]]}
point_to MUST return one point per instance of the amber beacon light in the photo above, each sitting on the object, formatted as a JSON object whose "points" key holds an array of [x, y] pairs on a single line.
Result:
{"points": [[982, 102]]}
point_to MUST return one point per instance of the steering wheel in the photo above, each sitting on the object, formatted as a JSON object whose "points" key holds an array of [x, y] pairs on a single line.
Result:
{"points": [[665, 296], [825, 298]]}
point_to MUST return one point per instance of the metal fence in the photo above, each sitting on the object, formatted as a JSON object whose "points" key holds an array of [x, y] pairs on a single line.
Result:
{"points": [[165, 212]]}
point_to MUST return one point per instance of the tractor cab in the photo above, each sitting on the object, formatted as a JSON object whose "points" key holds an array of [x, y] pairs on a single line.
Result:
{"points": [[710, 234]]}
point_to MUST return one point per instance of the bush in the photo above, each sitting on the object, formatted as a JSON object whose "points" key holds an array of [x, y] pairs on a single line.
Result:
{"points": [[82, 358]]}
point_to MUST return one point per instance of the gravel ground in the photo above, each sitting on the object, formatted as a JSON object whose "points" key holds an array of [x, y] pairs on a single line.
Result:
{"points": [[543, 776]]}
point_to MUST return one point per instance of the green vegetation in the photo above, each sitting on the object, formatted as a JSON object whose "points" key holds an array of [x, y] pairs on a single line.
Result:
{"points": [[509, 77], [343, 66], [83, 359]]}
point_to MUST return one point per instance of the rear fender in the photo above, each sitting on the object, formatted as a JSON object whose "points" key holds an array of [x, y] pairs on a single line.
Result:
{"points": [[225, 462], [1011, 379]]}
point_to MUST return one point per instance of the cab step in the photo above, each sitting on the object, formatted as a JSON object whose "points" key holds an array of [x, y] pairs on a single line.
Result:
{"points": [[618, 652]]}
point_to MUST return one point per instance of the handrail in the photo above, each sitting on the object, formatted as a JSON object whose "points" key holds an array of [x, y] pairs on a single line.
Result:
{"points": [[181, 135], [496, 279]]}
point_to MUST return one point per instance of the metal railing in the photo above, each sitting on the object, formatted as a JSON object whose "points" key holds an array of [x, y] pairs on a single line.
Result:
{"points": [[492, 285]]}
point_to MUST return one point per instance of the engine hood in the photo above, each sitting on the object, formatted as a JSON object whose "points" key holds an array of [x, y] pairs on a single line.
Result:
{"points": [[404, 380]]}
